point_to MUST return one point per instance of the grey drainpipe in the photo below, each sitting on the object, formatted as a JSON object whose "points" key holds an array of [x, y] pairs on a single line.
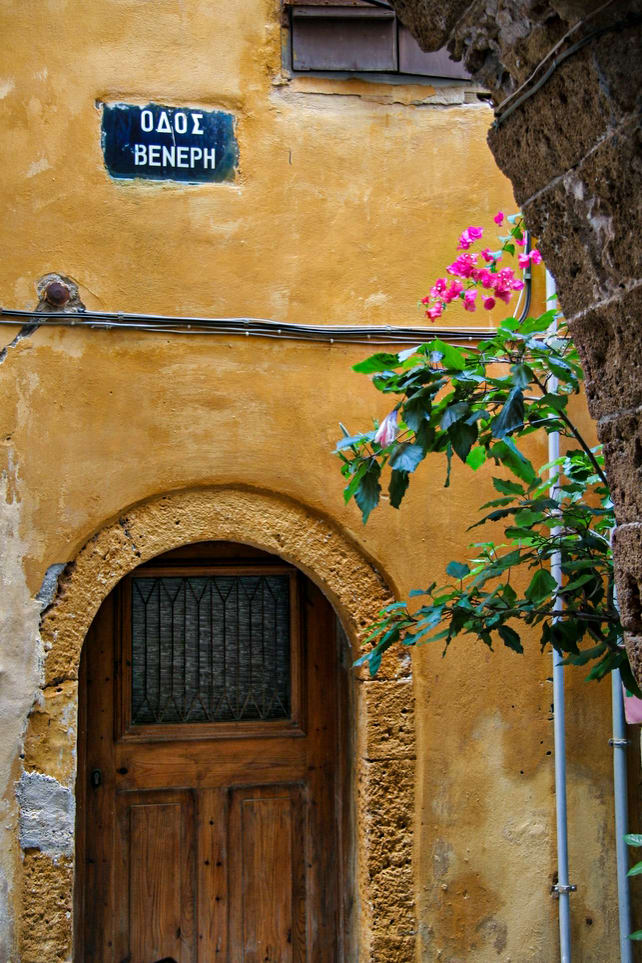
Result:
{"points": [[563, 888]]}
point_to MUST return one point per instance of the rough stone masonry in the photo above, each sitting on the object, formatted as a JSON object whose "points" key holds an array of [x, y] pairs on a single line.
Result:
{"points": [[565, 81]]}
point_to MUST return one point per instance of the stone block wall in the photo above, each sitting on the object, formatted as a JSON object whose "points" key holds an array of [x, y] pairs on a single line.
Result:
{"points": [[571, 149]]}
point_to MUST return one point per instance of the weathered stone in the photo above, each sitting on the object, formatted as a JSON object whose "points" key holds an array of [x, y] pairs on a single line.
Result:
{"points": [[45, 926], [388, 719], [627, 542], [47, 814], [588, 224], [431, 23], [607, 338], [622, 437], [551, 145]]}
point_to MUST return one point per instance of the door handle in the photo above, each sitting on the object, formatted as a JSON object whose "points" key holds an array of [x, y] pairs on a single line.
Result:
{"points": [[96, 778]]}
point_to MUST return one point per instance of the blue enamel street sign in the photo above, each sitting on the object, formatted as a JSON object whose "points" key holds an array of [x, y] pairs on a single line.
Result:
{"points": [[169, 143]]}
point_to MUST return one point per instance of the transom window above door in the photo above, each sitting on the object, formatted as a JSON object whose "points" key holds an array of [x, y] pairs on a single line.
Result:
{"points": [[209, 648]]}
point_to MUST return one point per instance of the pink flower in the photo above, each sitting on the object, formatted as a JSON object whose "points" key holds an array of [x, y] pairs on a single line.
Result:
{"points": [[521, 241], [517, 285], [469, 300], [425, 300], [438, 287], [499, 217], [469, 236], [387, 430], [503, 293], [487, 279], [435, 311], [523, 260], [488, 303], [463, 266], [536, 257], [487, 254], [453, 291]]}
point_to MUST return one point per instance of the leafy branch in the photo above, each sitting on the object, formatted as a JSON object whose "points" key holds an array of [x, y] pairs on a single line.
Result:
{"points": [[478, 403]]}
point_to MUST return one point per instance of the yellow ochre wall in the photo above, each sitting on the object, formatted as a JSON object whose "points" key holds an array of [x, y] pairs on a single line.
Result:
{"points": [[348, 201]]}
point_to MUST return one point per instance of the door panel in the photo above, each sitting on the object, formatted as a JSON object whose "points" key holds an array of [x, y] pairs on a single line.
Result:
{"points": [[205, 841], [156, 839], [267, 922]]}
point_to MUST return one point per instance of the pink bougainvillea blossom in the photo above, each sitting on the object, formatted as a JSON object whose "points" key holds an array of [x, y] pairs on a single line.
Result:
{"points": [[387, 430], [499, 217], [463, 266], [469, 236], [435, 311], [438, 287], [469, 300], [523, 260], [453, 291], [536, 257], [521, 241], [488, 255], [488, 303]]}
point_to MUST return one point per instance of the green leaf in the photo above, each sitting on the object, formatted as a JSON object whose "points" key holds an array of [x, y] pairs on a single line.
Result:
{"points": [[453, 413], [369, 490], [417, 410], [635, 870], [636, 936], [511, 416], [397, 487], [510, 638], [521, 375], [506, 452], [452, 357], [406, 457], [507, 487], [633, 839], [476, 457], [353, 440], [377, 362], [457, 570], [462, 437], [541, 586], [350, 489]]}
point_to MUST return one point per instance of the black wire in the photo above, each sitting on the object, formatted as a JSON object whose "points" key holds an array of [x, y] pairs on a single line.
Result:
{"points": [[631, 21]]}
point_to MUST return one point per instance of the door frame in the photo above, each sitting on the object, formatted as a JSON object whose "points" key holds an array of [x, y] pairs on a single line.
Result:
{"points": [[382, 920]]}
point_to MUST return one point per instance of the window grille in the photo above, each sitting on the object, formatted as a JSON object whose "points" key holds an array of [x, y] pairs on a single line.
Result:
{"points": [[211, 648]]}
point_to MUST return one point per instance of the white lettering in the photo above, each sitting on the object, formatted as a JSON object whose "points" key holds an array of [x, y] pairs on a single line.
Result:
{"points": [[195, 153], [182, 155], [146, 120], [140, 154], [169, 156], [196, 124], [153, 155], [209, 154], [180, 122], [163, 124]]}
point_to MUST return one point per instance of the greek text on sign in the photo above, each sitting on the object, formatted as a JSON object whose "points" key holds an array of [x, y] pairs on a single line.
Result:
{"points": [[169, 143]]}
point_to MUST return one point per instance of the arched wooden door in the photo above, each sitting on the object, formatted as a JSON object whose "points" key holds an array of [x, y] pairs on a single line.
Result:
{"points": [[210, 766]]}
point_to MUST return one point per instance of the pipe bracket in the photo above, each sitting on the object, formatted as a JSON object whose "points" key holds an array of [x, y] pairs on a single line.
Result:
{"points": [[559, 888], [619, 743]]}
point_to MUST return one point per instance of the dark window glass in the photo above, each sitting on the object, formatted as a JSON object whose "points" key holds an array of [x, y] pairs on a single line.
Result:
{"points": [[210, 648]]}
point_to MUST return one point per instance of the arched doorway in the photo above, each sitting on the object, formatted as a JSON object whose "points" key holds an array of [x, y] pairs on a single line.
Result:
{"points": [[212, 765]]}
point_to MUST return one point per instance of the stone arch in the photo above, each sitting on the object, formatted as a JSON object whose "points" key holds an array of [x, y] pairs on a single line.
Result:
{"points": [[383, 708]]}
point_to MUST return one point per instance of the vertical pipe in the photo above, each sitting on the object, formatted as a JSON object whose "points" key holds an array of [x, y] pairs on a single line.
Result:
{"points": [[559, 733], [619, 743]]}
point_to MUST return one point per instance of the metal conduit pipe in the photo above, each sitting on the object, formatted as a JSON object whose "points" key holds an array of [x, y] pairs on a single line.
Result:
{"points": [[563, 888], [619, 742]]}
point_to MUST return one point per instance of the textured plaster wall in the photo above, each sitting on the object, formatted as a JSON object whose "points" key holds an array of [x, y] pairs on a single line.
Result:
{"points": [[347, 202]]}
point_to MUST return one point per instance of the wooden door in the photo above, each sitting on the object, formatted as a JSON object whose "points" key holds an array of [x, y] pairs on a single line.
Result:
{"points": [[210, 767]]}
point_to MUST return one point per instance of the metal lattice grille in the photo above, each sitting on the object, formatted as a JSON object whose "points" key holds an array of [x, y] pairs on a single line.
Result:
{"points": [[212, 648]]}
